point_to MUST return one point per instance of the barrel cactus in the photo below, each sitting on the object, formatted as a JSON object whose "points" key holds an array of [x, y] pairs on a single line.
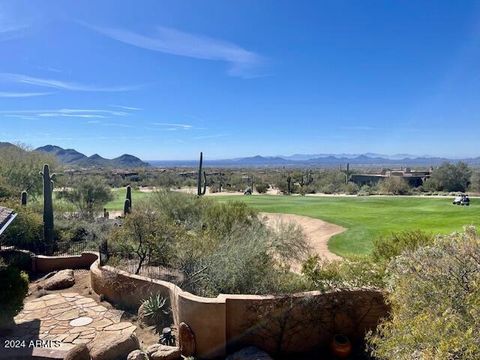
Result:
{"points": [[24, 198]]}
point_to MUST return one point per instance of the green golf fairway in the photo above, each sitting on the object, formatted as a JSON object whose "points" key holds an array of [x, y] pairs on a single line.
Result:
{"points": [[119, 195], [367, 218]]}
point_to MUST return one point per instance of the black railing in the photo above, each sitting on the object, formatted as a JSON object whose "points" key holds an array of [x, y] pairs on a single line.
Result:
{"points": [[69, 248]]}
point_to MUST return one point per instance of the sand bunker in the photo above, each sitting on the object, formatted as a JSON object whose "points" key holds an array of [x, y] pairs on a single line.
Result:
{"points": [[318, 232]]}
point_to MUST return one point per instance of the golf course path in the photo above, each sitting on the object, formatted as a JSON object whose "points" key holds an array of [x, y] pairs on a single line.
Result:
{"points": [[318, 232]]}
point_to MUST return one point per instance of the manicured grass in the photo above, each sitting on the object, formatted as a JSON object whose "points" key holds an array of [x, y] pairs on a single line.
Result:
{"points": [[367, 218], [119, 198]]}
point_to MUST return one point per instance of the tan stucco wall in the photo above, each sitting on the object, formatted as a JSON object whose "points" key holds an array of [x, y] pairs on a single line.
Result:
{"points": [[230, 321], [206, 318], [307, 319], [45, 264]]}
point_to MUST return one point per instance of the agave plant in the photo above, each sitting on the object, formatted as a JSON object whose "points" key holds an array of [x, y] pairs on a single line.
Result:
{"points": [[153, 307]]}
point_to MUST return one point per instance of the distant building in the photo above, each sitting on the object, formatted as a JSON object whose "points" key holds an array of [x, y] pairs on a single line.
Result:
{"points": [[415, 178]]}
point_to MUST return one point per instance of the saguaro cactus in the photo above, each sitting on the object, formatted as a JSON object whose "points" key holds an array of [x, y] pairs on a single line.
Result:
{"points": [[24, 198], [127, 208], [289, 184], [129, 194], [48, 207], [347, 174], [201, 192]]}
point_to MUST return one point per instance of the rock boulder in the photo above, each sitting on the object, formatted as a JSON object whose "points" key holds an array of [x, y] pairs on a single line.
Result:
{"points": [[137, 355], [113, 347], [186, 339], [61, 280], [163, 352]]}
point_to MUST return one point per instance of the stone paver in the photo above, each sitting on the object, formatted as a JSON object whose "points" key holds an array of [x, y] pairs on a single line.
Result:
{"points": [[68, 318]]}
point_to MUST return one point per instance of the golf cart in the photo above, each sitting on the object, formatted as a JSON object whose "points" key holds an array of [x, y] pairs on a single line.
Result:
{"points": [[461, 199]]}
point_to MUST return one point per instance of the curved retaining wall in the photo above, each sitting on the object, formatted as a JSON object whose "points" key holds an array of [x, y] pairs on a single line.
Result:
{"points": [[27, 260], [296, 323], [45, 264]]}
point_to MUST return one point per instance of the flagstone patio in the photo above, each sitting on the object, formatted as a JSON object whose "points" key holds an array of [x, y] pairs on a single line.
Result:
{"points": [[62, 320]]}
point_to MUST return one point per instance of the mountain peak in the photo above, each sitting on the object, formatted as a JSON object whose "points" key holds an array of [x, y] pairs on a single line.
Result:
{"points": [[73, 157]]}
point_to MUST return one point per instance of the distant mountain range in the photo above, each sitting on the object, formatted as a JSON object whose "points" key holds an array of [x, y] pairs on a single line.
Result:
{"points": [[320, 160], [73, 157]]}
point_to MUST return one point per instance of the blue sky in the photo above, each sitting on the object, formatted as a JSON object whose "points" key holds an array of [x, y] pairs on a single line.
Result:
{"points": [[167, 79]]}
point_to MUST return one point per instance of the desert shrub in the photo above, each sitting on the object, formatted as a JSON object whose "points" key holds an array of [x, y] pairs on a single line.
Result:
{"points": [[287, 241], [6, 190], [475, 182], [181, 208], [386, 248], [394, 185], [72, 235], [435, 299], [282, 186], [88, 194], [219, 247], [26, 231], [218, 219], [330, 181], [351, 188], [19, 169], [261, 188], [20, 259], [14, 285], [449, 177], [214, 188], [366, 190], [361, 271], [244, 262], [356, 272], [147, 235]]}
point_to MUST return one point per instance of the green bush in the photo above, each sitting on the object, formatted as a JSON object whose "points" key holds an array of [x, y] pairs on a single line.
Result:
{"points": [[88, 194], [386, 248], [394, 185], [14, 285], [147, 236], [219, 219], [261, 188], [450, 177], [356, 272], [351, 188], [89, 234], [434, 292], [19, 169], [243, 264], [475, 182], [19, 259], [26, 231], [361, 271], [366, 190]]}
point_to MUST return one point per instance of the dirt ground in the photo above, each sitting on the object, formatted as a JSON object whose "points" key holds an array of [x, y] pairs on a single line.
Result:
{"points": [[318, 232]]}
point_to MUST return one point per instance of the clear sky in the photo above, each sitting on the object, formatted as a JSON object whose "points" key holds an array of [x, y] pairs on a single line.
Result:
{"points": [[167, 79]]}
